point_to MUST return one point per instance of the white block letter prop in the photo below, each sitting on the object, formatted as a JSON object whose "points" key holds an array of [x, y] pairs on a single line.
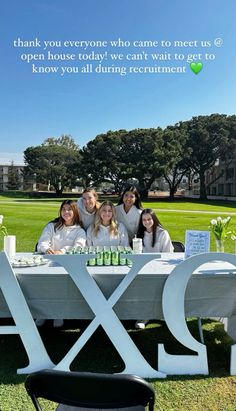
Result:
{"points": [[25, 326]]}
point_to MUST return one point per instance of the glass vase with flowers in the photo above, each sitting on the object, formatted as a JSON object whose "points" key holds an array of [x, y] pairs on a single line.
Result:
{"points": [[219, 227], [9, 241]]}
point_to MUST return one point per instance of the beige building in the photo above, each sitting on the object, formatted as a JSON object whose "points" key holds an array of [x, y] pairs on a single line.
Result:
{"points": [[225, 185], [5, 168]]}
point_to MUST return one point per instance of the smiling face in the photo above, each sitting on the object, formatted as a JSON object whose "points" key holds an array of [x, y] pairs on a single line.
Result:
{"points": [[106, 215], [67, 214], [147, 222], [128, 200], [89, 201]]}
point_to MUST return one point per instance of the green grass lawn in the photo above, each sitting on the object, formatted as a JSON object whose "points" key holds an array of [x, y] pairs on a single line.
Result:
{"points": [[194, 205], [26, 219], [216, 392]]}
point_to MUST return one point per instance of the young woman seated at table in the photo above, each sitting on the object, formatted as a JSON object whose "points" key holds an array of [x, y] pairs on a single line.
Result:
{"points": [[129, 209], [60, 235], [155, 240], [106, 230], [88, 206], [64, 232]]}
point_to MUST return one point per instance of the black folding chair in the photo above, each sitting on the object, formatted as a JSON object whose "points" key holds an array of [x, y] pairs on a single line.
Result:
{"points": [[178, 247], [77, 390]]}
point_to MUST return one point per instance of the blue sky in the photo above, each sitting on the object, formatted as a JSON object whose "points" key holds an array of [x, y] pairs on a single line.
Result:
{"points": [[37, 106]]}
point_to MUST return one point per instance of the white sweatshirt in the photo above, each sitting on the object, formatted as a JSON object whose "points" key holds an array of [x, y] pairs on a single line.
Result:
{"points": [[162, 244], [86, 217], [104, 238], [130, 219], [63, 239]]}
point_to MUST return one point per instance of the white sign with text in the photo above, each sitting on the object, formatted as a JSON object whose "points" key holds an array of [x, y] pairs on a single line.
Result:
{"points": [[196, 242]]}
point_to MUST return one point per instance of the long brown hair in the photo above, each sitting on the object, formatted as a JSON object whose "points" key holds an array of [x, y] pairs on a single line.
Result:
{"points": [[156, 223], [59, 222]]}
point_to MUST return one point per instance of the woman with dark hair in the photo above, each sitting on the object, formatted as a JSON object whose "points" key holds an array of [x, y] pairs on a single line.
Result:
{"points": [[88, 206], [64, 232], [60, 235], [155, 238], [129, 209]]}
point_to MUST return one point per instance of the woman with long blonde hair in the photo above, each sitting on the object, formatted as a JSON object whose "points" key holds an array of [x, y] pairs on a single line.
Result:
{"points": [[106, 230]]}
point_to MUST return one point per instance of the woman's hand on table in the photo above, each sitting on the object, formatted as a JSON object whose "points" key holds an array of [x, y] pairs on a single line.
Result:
{"points": [[50, 251]]}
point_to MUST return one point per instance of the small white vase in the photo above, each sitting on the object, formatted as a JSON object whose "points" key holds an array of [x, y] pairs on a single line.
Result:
{"points": [[10, 245]]}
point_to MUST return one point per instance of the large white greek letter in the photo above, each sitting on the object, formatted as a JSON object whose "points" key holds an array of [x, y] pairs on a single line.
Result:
{"points": [[135, 363], [173, 310], [25, 326]]}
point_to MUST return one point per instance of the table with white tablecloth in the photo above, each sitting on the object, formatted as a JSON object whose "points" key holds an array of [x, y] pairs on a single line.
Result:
{"points": [[61, 289], [51, 293]]}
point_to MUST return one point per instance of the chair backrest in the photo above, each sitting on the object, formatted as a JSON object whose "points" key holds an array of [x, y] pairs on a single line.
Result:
{"points": [[178, 247], [89, 390]]}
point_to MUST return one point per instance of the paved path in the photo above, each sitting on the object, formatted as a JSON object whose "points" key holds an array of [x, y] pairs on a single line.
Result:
{"points": [[163, 210], [194, 211]]}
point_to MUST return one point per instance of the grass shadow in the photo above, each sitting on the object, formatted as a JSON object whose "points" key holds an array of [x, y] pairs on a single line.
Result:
{"points": [[99, 354]]}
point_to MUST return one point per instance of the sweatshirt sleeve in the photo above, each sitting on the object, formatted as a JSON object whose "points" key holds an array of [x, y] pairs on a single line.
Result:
{"points": [[80, 240], [46, 238], [124, 238], [165, 243], [89, 236]]}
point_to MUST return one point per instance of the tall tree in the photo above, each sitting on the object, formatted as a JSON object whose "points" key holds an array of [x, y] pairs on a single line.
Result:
{"points": [[142, 152], [102, 160], [176, 155], [209, 138], [118, 156], [56, 160]]}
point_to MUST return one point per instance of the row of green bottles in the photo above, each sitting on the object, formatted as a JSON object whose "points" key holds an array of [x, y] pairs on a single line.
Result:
{"points": [[105, 255]]}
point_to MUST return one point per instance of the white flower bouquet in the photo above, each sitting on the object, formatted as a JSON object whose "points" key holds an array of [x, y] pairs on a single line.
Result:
{"points": [[219, 227]]}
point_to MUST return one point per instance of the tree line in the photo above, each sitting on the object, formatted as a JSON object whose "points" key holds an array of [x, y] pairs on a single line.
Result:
{"points": [[187, 148]]}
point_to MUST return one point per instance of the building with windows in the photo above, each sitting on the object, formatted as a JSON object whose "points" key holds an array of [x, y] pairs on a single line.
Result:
{"points": [[222, 177], [8, 172]]}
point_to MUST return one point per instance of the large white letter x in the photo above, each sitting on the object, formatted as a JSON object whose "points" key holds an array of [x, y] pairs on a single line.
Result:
{"points": [[135, 363], [25, 326]]}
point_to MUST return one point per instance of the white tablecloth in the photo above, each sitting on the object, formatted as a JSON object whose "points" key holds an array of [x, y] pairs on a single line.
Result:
{"points": [[51, 293]]}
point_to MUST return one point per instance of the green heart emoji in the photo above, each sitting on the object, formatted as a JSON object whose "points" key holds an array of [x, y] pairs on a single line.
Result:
{"points": [[196, 67]]}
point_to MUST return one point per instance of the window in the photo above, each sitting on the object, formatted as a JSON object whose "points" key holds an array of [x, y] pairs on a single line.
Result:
{"points": [[229, 173], [220, 189]]}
